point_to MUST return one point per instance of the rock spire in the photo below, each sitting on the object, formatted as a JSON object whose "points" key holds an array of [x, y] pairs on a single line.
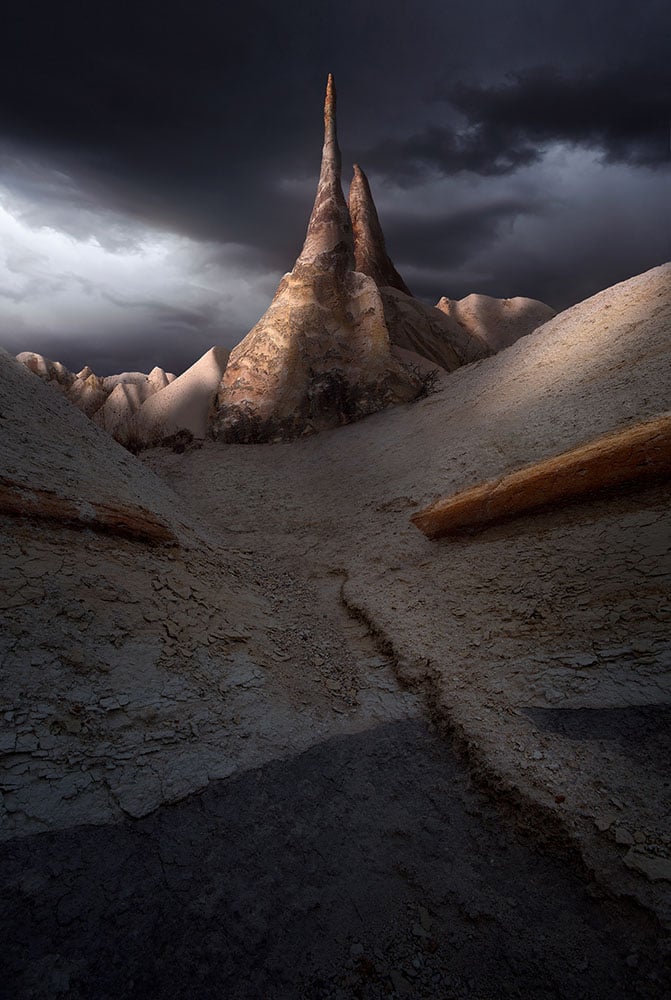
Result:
{"points": [[320, 356], [329, 230], [370, 252]]}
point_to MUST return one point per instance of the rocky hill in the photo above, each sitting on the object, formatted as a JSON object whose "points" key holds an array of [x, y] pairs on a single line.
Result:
{"points": [[262, 737]]}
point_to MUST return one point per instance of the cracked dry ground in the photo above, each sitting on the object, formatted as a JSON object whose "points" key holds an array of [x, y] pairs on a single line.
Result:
{"points": [[334, 846]]}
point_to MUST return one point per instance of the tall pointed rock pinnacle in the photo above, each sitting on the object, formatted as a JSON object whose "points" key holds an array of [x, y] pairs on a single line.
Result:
{"points": [[320, 355], [370, 252], [329, 230]]}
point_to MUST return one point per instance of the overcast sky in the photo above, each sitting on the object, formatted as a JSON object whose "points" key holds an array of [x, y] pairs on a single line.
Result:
{"points": [[158, 163]]}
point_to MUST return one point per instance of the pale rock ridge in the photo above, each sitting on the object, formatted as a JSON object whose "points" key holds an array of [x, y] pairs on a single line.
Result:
{"points": [[47, 370], [370, 252], [124, 400], [498, 322], [185, 404], [110, 402], [110, 382], [87, 393], [320, 356], [429, 332], [159, 379], [85, 390]]}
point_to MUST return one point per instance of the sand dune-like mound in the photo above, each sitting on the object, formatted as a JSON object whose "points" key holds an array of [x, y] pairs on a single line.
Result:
{"points": [[497, 322], [124, 400], [186, 403], [111, 401]]}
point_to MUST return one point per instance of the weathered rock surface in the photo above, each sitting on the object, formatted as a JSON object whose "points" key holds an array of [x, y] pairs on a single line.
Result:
{"points": [[87, 392], [370, 252], [85, 389], [47, 370], [110, 382], [425, 367], [46, 506], [185, 403], [134, 675], [543, 642], [159, 379], [498, 322], [131, 673], [413, 327], [329, 232], [320, 356], [124, 400]]}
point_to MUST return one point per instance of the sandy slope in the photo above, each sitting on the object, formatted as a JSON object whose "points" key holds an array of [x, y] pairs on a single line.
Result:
{"points": [[134, 675], [48, 443], [544, 642]]}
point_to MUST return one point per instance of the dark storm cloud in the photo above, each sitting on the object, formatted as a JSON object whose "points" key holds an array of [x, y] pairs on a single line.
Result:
{"points": [[187, 117], [445, 240], [625, 114], [204, 120]]}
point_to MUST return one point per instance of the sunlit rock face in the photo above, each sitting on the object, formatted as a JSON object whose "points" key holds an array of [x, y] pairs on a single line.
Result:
{"points": [[47, 370], [88, 393], [320, 356], [498, 322], [127, 392], [85, 390], [186, 404], [124, 400]]}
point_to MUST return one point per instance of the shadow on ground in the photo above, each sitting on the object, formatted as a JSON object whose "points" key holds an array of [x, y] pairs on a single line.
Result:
{"points": [[365, 867]]}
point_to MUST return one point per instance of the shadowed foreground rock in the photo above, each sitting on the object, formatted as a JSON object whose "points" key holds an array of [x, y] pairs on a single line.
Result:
{"points": [[320, 356], [130, 521]]}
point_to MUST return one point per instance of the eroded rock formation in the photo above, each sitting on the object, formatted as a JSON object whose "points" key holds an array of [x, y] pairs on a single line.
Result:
{"points": [[429, 332], [370, 252], [111, 402], [414, 328], [320, 356]]}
